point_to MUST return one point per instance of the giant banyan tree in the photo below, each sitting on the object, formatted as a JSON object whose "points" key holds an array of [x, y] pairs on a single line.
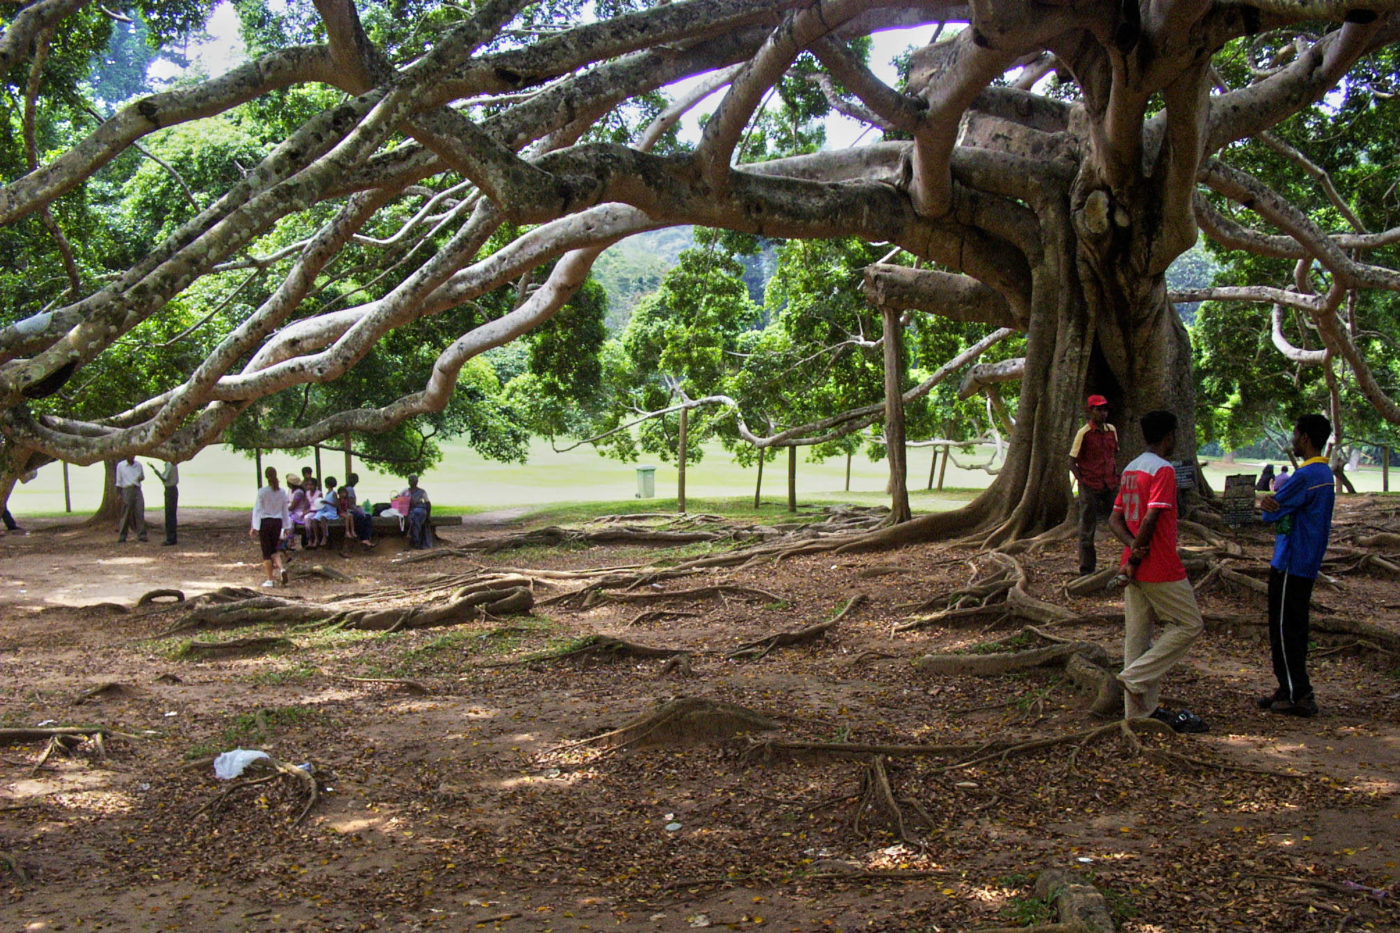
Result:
{"points": [[1045, 162]]}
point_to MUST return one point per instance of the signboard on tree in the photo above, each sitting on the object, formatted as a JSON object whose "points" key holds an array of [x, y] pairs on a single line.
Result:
{"points": [[1237, 502]]}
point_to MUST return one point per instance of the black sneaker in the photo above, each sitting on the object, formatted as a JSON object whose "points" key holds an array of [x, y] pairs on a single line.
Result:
{"points": [[1162, 714], [1180, 721], [1306, 707], [1278, 696]]}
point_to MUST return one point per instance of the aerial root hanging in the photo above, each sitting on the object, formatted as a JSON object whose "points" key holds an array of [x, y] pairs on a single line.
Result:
{"points": [[300, 779], [760, 648], [683, 721]]}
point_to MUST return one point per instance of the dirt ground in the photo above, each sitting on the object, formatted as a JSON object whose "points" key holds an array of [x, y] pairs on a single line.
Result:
{"points": [[451, 797]]}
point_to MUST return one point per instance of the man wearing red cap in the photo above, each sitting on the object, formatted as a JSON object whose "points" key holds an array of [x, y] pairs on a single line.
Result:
{"points": [[1093, 459]]}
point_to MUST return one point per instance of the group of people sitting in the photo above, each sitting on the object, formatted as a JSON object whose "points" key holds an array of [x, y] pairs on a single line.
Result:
{"points": [[312, 509], [304, 512]]}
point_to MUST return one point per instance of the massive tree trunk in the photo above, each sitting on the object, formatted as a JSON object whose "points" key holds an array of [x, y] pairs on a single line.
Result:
{"points": [[1099, 323]]}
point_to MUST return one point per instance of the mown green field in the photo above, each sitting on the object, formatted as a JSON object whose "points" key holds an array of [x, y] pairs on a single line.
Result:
{"points": [[463, 481]]}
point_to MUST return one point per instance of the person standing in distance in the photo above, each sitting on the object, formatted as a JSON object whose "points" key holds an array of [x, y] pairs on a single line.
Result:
{"points": [[270, 522], [170, 477], [130, 476], [1301, 512], [1144, 519], [1093, 459]]}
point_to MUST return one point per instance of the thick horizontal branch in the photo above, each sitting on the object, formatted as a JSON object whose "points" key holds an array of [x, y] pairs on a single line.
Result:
{"points": [[955, 297], [979, 377]]}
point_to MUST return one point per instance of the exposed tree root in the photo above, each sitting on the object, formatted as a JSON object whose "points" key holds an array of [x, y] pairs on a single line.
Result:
{"points": [[678, 666], [683, 721], [968, 755], [700, 592], [298, 777], [877, 797], [1001, 592], [986, 664], [761, 647], [45, 733], [604, 648], [237, 648], [654, 615], [412, 686], [102, 690], [62, 739], [1098, 680], [12, 865], [327, 573], [1091, 583], [1385, 540], [177, 596], [1079, 907], [495, 597]]}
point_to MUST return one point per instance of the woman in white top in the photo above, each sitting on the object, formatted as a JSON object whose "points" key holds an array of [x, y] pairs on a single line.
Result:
{"points": [[269, 518]]}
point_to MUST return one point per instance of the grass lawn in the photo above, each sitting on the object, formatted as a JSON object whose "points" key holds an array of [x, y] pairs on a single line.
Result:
{"points": [[464, 482]]}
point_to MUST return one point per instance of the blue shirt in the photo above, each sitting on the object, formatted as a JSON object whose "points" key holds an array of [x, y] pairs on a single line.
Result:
{"points": [[1308, 495]]}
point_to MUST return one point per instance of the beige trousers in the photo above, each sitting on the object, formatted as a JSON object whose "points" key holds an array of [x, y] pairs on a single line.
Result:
{"points": [[1173, 605]]}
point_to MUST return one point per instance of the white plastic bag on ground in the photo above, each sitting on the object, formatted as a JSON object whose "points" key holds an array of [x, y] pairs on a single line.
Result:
{"points": [[230, 765]]}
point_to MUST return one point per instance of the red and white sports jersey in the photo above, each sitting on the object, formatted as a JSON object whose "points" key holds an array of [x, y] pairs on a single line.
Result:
{"points": [[1149, 482]]}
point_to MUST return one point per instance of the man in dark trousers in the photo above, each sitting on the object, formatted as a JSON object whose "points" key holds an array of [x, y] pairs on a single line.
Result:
{"points": [[1301, 511], [170, 476], [1093, 459]]}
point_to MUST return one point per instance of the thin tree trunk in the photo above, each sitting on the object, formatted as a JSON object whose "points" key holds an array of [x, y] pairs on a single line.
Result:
{"points": [[320, 480], [680, 460], [349, 462], [258, 467], [792, 479], [894, 418], [111, 508], [67, 490], [849, 455], [932, 466], [758, 486]]}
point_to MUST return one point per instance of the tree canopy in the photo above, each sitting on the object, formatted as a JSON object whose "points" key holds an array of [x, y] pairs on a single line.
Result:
{"points": [[387, 191]]}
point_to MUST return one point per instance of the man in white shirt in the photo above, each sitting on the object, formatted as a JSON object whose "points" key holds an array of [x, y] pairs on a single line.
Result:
{"points": [[129, 479]]}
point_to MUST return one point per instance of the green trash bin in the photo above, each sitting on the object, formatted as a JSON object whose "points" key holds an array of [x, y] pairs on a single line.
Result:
{"points": [[646, 482]]}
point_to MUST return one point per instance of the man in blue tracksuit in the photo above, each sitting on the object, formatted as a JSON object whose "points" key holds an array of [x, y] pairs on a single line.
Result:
{"points": [[1301, 510]]}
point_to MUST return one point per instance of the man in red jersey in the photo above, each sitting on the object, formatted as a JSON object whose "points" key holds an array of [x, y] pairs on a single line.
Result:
{"points": [[1144, 519], [1093, 459]]}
